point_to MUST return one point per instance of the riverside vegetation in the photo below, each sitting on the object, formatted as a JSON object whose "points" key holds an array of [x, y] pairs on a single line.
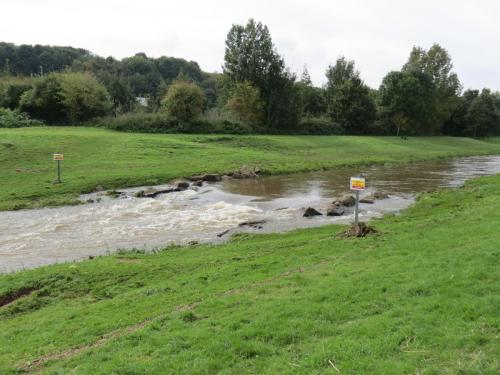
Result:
{"points": [[107, 159], [421, 296], [255, 93]]}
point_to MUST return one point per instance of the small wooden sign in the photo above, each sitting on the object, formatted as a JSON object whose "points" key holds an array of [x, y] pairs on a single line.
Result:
{"points": [[58, 157], [358, 183]]}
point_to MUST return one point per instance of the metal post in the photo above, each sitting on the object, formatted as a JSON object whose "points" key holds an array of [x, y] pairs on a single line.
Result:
{"points": [[58, 171], [356, 209]]}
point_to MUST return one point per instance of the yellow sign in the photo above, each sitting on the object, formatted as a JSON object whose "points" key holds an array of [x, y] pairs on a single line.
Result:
{"points": [[358, 183], [58, 157]]}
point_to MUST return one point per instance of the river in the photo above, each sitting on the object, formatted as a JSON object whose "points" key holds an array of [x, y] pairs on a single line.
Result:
{"points": [[31, 238]]}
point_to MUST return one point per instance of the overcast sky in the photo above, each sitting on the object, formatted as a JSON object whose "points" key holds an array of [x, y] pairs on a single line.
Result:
{"points": [[377, 34]]}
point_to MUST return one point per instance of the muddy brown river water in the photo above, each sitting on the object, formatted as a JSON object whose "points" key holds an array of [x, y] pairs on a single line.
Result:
{"points": [[31, 238]]}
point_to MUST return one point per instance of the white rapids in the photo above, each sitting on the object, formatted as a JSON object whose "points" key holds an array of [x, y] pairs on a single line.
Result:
{"points": [[31, 238]]}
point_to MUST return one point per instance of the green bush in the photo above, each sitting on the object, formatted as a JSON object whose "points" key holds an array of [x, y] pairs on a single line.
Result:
{"points": [[162, 123], [228, 127], [11, 118], [11, 90], [137, 122], [66, 98], [184, 101], [319, 126]]}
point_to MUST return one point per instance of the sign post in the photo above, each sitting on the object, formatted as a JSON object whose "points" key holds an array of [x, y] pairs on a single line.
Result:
{"points": [[357, 184], [58, 158]]}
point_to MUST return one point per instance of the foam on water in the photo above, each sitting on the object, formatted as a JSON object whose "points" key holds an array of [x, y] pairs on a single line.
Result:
{"points": [[30, 238]]}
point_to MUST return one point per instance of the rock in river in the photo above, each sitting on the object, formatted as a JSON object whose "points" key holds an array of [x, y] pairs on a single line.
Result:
{"points": [[377, 195], [211, 177], [257, 224], [366, 200], [246, 172], [309, 212], [181, 185], [335, 210], [347, 201]]}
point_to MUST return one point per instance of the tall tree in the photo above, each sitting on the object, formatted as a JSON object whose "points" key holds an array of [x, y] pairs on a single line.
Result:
{"points": [[312, 99], [483, 117], [350, 103], [250, 56], [338, 74], [407, 101], [437, 64], [458, 122], [305, 78]]}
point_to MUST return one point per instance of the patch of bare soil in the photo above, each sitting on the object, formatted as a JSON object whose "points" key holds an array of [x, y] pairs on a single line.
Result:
{"points": [[359, 230], [13, 296]]}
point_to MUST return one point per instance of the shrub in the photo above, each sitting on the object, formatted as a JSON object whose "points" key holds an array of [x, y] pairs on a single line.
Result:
{"points": [[319, 126], [83, 97], [184, 101], [138, 122], [11, 90], [44, 100], [66, 97], [11, 118], [228, 127], [245, 103], [161, 123]]}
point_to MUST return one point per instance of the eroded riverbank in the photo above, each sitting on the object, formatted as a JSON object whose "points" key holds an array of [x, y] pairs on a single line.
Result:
{"points": [[31, 238]]}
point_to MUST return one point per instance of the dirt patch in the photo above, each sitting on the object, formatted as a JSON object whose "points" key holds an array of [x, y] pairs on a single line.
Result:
{"points": [[13, 296], [360, 230]]}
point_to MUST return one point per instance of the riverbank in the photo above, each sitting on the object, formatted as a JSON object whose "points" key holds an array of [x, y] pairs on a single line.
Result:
{"points": [[101, 158], [421, 296]]}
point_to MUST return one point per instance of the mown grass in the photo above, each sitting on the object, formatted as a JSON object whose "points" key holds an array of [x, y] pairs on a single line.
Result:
{"points": [[97, 157], [420, 297]]}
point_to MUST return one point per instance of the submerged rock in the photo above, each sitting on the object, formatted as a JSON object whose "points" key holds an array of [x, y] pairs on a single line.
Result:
{"points": [[310, 212], [335, 210], [210, 177], [246, 172], [115, 194], [366, 200], [347, 201], [223, 233], [377, 195], [140, 194], [256, 224], [154, 194], [181, 185], [198, 183]]}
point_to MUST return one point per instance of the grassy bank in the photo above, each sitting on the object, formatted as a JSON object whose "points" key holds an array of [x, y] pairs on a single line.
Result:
{"points": [[111, 159], [421, 297]]}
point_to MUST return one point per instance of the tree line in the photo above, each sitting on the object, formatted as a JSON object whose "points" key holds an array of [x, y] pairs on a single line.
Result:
{"points": [[255, 92]]}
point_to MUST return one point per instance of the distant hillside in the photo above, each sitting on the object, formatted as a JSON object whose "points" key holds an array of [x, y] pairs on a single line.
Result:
{"points": [[138, 75], [27, 60]]}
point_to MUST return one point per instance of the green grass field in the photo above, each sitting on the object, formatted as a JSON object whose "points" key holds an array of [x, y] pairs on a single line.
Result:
{"points": [[111, 159], [420, 297]]}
